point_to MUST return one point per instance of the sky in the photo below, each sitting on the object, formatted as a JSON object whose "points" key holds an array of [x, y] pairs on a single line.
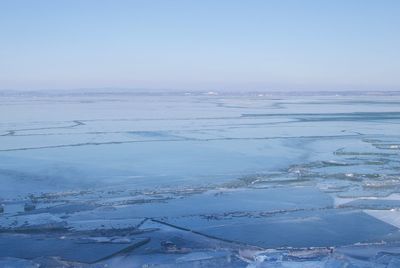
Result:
{"points": [[200, 45]]}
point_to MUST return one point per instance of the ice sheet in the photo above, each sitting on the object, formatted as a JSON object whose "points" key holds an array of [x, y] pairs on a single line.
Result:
{"points": [[221, 179]]}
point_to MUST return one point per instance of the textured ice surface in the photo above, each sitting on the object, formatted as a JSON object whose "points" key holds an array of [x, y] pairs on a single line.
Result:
{"points": [[129, 179]]}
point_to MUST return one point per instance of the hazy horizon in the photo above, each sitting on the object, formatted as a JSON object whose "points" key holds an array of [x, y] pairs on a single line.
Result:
{"points": [[200, 45]]}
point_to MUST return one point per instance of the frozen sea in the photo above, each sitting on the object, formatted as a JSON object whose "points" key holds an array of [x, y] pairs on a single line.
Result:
{"points": [[199, 179]]}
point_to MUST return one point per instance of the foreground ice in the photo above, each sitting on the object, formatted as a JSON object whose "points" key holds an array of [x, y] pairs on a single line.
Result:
{"points": [[128, 179]]}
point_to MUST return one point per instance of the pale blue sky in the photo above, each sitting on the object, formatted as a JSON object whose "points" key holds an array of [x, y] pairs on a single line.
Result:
{"points": [[200, 45]]}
